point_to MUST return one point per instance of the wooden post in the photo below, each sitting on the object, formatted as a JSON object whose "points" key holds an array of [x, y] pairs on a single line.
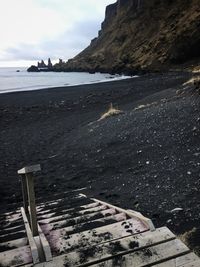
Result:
{"points": [[24, 193], [28, 182], [32, 206]]}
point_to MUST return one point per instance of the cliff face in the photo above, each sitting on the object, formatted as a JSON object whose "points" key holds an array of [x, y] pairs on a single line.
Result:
{"points": [[143, 34]]}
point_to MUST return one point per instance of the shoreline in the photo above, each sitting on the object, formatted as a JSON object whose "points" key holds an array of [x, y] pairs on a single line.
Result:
{"points": [[144, 159], [43, 81], [62, 91], [66, 86]]}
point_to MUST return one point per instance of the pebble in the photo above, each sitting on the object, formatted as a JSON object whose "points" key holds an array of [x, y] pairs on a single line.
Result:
{"points": [[169, 221], [176, 210]]}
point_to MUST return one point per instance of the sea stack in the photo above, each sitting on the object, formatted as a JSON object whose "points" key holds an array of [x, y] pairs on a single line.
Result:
{"points": [[49, 64]]}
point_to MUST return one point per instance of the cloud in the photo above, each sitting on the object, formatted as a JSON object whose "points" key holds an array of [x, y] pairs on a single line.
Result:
{"points": [[67, 45], [35, 29], [23, 21]]}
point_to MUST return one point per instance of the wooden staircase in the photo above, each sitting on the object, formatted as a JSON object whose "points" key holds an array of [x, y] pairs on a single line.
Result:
{"points": [[74, 230]]}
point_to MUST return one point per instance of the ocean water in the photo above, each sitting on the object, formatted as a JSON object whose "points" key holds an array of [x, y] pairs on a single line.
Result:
{"points": [[12, 81]]}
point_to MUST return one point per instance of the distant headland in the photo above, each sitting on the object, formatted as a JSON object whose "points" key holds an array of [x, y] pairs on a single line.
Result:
{"points": [[61, 66], [41, 66]]}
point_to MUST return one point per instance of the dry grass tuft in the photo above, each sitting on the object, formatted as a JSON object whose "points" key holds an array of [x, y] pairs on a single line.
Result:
{"points": [[195, 81], [141, 106], [111, 112], [196, 69], [145, 106], [191, 239]]}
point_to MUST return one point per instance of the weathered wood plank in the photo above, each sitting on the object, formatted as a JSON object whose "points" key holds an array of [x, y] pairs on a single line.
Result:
{"points": [[118, 247], [59, 201], [10, 224], [32, 206], [65, 205], [24, 192], [148, 256], [11, 230], [131, 213], [29, 169], [31, 240], [10, 213], [73, 221], [110, 249], [180, 261], [48, 214], [192, 264], [16, 257], [45, 245], [88, 225], [12, 244], [60, 241], [13, 235], [66, 216], [41, 199], [61, 262], [12, 217], [8, 221]]}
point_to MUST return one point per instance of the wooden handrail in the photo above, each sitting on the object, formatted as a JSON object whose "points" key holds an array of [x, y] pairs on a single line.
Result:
{"points": [[131, 213], [28, 193]]}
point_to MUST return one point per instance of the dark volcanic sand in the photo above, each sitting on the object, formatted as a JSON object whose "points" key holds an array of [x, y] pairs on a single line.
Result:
{"points": [[147, 159]]}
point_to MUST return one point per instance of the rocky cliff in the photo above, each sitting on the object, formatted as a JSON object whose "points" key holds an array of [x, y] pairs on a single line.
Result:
{"points": [[143, 34]]}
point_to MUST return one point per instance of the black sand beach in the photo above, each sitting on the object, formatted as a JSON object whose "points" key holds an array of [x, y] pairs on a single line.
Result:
{"points": [[146, 159]]}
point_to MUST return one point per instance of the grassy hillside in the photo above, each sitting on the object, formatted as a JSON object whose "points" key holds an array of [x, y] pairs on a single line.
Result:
{"points": [[150, 35]]}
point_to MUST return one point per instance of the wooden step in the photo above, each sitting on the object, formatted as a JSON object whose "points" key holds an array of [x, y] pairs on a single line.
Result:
{"points": [[11, 217], [12, 244], [192, 264], [149, 256], [78, 228], [65, 203], [77, 231], [16, 257], [60, 241], [47, 214], [12, 223], [14, 235], [59, 201], [9, 208], [71, 215], [188, 260], [9, 213], [10, 230], [142, 250], [121, 246], [65, 194], [76, 220]]}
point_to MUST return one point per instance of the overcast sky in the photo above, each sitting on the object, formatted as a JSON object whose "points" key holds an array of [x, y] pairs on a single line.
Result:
{"points": [[31, 30]]}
